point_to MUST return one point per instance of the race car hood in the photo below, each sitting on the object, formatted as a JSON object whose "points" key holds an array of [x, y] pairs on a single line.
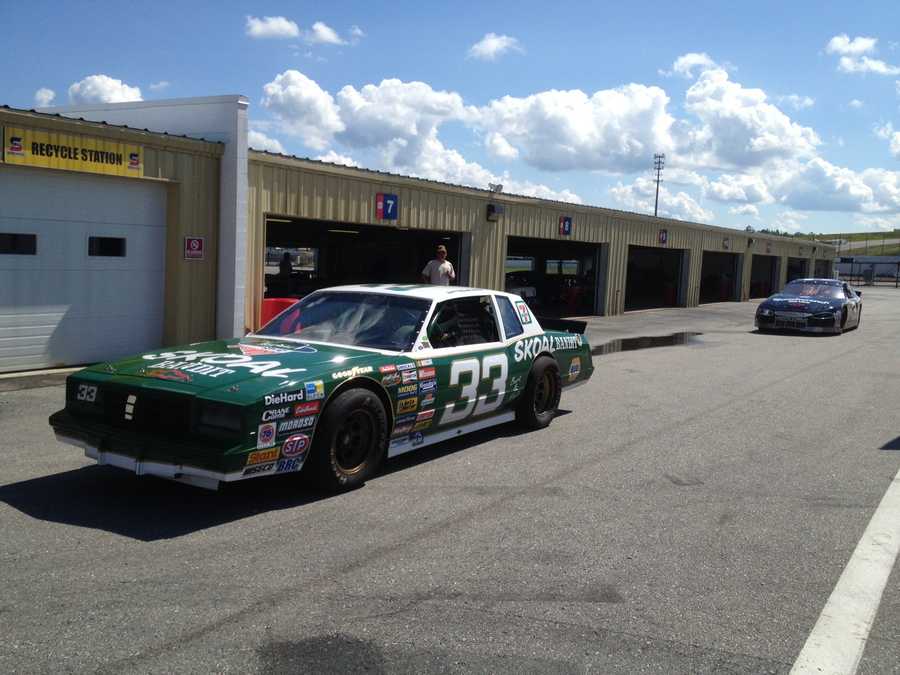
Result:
{"points": [[783, 302], [245, 368]]}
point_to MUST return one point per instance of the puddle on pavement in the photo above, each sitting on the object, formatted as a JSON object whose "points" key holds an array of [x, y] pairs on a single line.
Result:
{"points": [[635, 343]]}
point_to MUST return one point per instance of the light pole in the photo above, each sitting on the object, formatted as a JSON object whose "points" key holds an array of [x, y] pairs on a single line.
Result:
{"points": [[659, 161]]}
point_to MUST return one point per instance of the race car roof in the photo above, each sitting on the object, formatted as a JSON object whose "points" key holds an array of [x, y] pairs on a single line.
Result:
{"points": [[424, 291]]}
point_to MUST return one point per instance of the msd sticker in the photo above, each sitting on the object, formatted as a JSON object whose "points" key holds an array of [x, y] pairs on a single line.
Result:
{"points": [[315, 390], [265, 435]]}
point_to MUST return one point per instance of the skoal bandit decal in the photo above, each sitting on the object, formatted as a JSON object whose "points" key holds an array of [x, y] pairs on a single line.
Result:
{"points": [[529, 348], [214, 364]]}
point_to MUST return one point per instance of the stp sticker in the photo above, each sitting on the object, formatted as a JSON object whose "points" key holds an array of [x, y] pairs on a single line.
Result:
{"points": [[295, 445], [193, 248], [265, 435]]}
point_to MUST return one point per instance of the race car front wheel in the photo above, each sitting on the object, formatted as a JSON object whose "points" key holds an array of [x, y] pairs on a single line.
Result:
{"points": [[540, 399], [350, 441]]}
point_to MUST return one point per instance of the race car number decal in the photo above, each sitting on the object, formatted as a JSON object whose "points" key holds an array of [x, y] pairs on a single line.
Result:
{"points": [[477, 371], [86, 393]]}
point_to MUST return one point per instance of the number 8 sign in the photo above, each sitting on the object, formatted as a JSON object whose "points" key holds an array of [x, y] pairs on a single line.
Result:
{"points": [[386, 206]]}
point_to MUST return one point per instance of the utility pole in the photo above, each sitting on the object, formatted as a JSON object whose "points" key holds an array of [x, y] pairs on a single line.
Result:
{"points": [[659, 161]]}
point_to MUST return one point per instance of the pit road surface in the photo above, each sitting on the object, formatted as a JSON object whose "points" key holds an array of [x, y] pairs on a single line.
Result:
{"points": [[691, 511]]}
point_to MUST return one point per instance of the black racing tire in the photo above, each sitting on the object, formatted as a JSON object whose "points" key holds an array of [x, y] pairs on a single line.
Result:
{"points": [[540, 400], [350, 441], [844, 315]]}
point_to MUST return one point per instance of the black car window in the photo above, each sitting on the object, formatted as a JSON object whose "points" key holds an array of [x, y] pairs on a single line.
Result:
{"points": [[511, 324], [464, 321]]}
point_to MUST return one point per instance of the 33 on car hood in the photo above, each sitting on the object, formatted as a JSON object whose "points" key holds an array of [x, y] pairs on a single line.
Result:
{"points": [[246, 367]]}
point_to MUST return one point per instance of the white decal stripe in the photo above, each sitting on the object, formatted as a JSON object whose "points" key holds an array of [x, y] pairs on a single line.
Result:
{"points": [[839, 637], [453, 433]]}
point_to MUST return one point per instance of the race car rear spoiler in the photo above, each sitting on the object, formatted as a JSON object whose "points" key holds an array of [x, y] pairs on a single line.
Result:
{"points": [[567, 325]]}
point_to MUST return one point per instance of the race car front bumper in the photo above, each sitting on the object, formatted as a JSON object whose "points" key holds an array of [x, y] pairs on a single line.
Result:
{"points": [[181, 473], [802, 323]]}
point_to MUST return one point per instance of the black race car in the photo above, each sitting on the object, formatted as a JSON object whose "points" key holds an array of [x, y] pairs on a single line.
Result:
{"points": [[813, 306]]}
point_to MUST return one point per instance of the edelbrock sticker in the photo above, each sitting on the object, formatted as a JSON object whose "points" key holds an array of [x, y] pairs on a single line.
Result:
{"points": [[308, 408]]}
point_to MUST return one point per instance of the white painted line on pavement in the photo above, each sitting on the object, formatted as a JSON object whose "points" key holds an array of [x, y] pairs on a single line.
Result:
{"points": [[839, 637]]}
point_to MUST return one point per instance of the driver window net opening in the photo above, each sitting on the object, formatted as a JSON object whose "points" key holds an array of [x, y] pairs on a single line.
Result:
{"points": [[467, 321]]}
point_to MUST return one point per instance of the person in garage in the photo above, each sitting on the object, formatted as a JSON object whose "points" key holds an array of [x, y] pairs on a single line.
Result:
{"points": [[439, 271]]}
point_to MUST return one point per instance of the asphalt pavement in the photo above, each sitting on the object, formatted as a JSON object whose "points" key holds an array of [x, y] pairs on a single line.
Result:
{"points": [[691, 510]]}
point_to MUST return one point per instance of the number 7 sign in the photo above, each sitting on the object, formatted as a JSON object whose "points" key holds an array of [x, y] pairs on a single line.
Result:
{"points": [[386, 206]]}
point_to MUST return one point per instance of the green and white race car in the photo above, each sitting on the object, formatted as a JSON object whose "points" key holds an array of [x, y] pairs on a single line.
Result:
{"points": [[332, 385]]}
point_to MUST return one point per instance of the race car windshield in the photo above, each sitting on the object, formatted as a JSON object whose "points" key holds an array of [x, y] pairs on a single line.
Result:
{"points": [[824, 291], [373, 320]]}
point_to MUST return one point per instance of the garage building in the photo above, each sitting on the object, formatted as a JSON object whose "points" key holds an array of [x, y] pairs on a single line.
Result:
{"points": [[115, 239]]}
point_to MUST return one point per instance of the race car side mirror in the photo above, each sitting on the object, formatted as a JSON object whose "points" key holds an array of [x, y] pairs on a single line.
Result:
{"points": [[858, 294]]}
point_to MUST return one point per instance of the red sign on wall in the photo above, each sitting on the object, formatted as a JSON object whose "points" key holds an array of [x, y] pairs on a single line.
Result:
{"points": [[193, 248]]}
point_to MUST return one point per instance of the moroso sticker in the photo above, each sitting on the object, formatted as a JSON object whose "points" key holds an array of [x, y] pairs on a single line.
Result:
{"points": [[425, 415], [408, 389], [391, 380], [390, 368], [265, 435], [262, 456], [410, 376], [296, 423], [524, 314], [295, 445], [405, 405], [405, 366], [315, 390], [275, 414], [426, 373]]}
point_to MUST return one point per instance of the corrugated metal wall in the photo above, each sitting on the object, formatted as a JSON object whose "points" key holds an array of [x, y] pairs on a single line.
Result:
{"points": [[190, 171], [290, 187]]}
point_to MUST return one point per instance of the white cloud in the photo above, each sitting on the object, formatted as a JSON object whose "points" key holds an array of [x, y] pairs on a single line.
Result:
{"points": [[684, 65], [103, 89], [259, 141], [744, 210], [850, 64], [843, 45], [44, 97], [492, 46], [789, 221], [499, 146], [641, 194], [887, 133], [856, 103], [739, 188], [797, 102], [303, 107], [356, 34], [615, 130], [272, 27], [337, 158], [159, 86], [853, 57], [739, 127], [821, 186], [323, 34], [880, 222]]}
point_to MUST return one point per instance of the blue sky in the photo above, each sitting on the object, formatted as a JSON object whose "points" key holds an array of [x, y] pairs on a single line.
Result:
{"points": [[772, 114]]}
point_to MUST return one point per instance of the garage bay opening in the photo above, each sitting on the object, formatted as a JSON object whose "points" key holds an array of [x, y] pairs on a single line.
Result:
{"points": [[655, 278], [797, 268], [304, 255], [720, 277], [763, 275], [556, 278]]}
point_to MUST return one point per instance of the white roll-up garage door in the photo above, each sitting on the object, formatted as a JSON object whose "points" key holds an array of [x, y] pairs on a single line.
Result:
{"points": [[82, 263]]}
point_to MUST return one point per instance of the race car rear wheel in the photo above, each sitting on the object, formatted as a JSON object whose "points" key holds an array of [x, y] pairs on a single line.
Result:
{"points": [[350, 441], [540, 399]]}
